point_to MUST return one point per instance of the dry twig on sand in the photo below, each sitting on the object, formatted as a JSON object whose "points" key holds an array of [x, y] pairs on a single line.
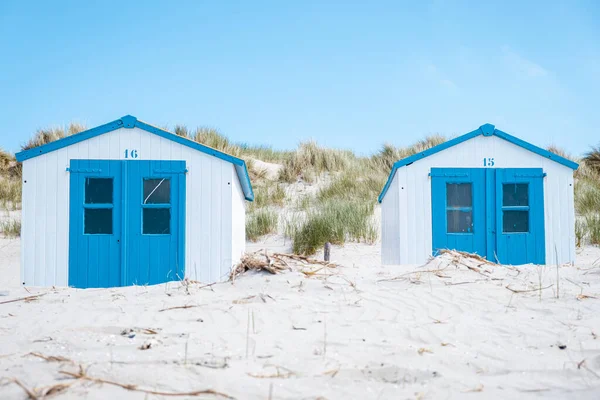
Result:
{"points": [[50, 358], [82, 375], [41, 393], [178, 307], [528, 290], [28, 298]]}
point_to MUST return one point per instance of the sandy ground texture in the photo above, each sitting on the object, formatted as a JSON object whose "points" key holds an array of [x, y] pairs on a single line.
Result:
{"points": [[452, 329]]}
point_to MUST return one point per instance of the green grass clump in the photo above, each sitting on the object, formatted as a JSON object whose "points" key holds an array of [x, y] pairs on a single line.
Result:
{"points": [[11, 228], [335, 222], [260, 222], [354, 183], [587, 195], [310, 160], [271, 195], [592, 222]]}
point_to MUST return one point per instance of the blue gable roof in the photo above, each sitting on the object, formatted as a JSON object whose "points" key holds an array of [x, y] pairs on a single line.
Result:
{"points": [[485, 130], [130, 122]]}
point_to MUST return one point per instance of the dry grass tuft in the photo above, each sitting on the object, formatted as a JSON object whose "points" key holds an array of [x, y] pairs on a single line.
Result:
{"points": [[48, 135], [310, 160], [211, 137]]}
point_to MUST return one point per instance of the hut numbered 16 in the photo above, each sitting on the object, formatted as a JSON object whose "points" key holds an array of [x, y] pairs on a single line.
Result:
{"points": [[485, 192], [127, 203]]}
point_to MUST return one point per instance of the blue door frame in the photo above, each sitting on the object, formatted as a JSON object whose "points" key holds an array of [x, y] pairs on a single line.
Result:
{"points": [[494, 212], [127, 222]]}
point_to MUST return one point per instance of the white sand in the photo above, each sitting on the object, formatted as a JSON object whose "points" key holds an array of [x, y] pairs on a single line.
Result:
{"points": [[271, 169], [351, 335]]}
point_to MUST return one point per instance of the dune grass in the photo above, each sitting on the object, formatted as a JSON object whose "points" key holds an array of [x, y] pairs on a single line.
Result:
{"points": [[11, 228], [45, 136], [268, 195], [592, 158], [10, 193], [6, 160], [335, 222], [592, 222], [261, 222], [311, 160]]}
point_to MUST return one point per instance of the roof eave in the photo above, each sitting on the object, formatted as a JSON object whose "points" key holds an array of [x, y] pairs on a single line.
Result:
{"points": [[485, 130], [130, 122]]}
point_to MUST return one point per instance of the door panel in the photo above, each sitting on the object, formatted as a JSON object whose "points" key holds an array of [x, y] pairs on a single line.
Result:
{"points": [[95, 223], [507, 213], [520, 236], [127, 222], [458, 209], [156, 201]]}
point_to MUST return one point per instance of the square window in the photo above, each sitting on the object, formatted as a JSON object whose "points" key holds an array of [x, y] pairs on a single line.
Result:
{"points": [[515, 221], [98, 190], [459, 221], [97, 221], [515, 194], [157, 191], [459, 195], [157, 221]]}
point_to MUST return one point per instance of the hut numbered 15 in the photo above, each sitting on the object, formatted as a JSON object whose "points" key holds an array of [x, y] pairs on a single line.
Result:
{"points": [[127, 203], [486, 192]]}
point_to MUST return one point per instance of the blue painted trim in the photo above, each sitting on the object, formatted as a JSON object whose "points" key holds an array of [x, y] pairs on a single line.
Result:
{"points": [[485, 130], [544, 153], [129, 122]]}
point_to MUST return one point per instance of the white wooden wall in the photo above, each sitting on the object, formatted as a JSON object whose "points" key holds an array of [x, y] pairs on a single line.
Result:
{"points": [[238, 246], [214, 207], [406, 207]]}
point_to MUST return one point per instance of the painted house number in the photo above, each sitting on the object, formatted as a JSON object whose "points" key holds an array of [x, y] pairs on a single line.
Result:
{"points": [[488, 162], [131, 153]]}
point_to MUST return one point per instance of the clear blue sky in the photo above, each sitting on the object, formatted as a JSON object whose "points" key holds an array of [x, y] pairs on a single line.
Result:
{"points": [[348, 74]]}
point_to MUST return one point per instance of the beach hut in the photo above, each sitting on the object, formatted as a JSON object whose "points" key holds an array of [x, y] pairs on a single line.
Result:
{"points": [[128, 203], [485, 192]]}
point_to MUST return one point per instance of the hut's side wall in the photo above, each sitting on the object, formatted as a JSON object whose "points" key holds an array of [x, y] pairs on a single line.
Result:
{"points": [[414, 240], [390, 225], [209, 205], [239, 222]]}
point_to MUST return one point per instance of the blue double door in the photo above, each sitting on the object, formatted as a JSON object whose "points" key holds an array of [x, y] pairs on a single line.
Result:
{"points": [[126, 222], [494, 212]]}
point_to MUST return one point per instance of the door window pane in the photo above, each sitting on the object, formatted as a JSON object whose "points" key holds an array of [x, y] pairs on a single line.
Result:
{"points": [[157, 221], [459, 195], [460, 221], [97, 221], [515, 194], [157, 191], [515, 221], [98, 190]]}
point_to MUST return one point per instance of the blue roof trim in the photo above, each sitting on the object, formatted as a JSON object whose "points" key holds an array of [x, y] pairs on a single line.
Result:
{"points": [[485, 130], [130, 121]]}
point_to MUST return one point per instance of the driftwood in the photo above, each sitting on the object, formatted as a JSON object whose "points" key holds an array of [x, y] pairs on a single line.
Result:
{"points": [[467, 255], [276, 263]]}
